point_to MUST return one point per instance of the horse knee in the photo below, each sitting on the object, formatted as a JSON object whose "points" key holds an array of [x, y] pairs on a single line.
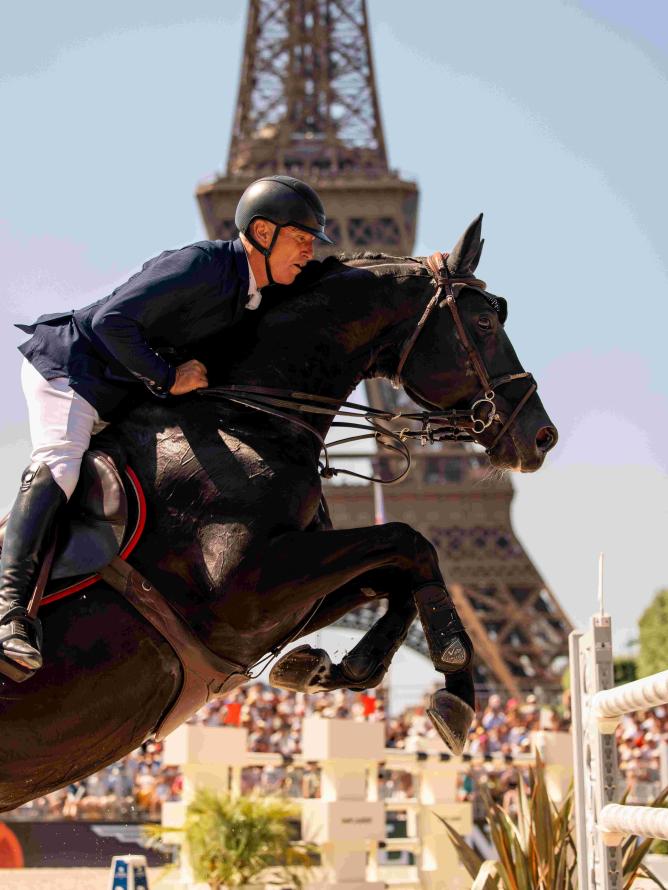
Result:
{"points": [[417, 552]]}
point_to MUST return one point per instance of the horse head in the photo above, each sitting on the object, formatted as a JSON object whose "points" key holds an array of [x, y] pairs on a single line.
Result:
{"points": [[460, 358]]}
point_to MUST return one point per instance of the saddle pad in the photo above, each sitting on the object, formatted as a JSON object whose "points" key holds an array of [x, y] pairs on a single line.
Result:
{"points": [[59, 588], [104, 518]]}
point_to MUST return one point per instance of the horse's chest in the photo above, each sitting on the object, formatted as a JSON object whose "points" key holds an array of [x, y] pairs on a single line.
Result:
{"points": [[276, 481]]}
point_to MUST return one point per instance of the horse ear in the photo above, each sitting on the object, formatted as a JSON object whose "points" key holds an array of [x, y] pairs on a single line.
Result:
{"points": [[466, 253]]}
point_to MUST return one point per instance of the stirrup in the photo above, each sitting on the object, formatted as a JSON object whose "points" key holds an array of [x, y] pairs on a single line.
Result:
{"points": [[20, 613], [9, 666]]}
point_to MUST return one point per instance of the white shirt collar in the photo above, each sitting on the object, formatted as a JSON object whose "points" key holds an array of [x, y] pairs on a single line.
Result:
{"points": [[254, 295]]}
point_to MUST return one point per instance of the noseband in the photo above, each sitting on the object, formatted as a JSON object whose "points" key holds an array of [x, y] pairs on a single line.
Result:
{"points": [[466, 420], [436, 426]]}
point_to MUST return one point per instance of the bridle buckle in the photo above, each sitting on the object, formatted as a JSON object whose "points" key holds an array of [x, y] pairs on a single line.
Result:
{"points": [[427, 432]]}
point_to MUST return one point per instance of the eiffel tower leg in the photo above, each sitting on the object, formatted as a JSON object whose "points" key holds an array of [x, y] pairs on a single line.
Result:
{"points": [[451, 710]]}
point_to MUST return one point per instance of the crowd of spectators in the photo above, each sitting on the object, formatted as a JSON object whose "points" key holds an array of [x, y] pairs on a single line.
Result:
{"points": [[134, 788]]}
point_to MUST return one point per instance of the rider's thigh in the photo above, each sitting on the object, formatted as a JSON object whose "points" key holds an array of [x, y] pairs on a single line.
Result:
{"points": [[61, 424]]}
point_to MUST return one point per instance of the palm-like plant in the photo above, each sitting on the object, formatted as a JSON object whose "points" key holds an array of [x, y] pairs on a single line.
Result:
{"points": [[537, 851], [233, 840]]}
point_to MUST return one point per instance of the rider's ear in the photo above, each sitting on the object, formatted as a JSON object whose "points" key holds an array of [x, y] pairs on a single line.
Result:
{"points": [[261, 230], [466, 253]]}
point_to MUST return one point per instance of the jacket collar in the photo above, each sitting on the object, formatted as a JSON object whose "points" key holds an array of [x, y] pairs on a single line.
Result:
{"points": [[241, 263]]}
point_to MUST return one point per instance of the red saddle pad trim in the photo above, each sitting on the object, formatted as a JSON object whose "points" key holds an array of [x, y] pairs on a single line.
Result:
{"points": [[133, 540]]}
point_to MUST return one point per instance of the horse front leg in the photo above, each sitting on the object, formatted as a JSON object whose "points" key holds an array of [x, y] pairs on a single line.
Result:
{"points": [[307, 669], [298, 568]]}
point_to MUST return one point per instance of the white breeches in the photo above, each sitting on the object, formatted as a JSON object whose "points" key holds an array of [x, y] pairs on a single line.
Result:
{"points": [[61, 424]]}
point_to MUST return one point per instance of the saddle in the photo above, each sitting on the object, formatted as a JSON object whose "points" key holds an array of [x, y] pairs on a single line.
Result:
{"points": [[100, 528], [104, 518]]}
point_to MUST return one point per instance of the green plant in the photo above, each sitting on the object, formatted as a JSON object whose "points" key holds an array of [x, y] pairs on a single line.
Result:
{"points": [[233, 840], [653, 635], [537, 850], [625, 671]]}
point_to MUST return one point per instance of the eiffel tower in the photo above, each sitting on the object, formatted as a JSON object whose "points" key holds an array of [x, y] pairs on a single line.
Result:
{"points": [[308, 106]]}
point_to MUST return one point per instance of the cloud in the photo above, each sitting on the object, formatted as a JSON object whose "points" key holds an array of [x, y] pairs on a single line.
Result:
{"points": [[606, 409], [44, 272], [566, 514]]}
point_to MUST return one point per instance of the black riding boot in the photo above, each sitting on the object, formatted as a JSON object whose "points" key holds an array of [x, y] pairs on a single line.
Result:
{"points": [[451, 653], [27, 536]]}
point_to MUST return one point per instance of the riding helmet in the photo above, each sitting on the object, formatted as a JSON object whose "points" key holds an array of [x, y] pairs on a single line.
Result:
{"points": [[284, 201]]}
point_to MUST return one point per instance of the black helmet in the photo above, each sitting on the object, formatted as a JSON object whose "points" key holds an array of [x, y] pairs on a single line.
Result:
{"points": [[284, 201]]}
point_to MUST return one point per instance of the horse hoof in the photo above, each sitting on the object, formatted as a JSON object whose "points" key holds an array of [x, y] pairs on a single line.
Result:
{"points": [[452, 718], [303, 670]]}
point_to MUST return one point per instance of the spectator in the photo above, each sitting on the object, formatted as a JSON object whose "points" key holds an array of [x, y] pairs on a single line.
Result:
{"points": [[135, 787]]}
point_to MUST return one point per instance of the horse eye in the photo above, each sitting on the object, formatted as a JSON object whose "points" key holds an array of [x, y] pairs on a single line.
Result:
{"points": [[484, 322]]}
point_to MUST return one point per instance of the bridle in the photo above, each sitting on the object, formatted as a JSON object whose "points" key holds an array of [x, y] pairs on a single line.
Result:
{"points": [[437, 425], [466, 419]]}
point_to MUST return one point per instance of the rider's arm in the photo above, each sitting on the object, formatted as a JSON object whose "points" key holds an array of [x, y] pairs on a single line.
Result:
{"points": [[163, 288]]}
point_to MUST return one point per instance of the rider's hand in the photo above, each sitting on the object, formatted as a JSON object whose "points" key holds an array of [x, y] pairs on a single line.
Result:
{"points": [[189, 376]]}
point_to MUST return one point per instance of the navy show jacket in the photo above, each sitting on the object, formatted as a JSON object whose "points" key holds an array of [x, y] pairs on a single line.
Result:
{"points": [[176, 299]]}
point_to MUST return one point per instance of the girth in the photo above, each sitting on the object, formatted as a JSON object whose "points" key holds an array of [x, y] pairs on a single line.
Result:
{"points": [[205, 674]]}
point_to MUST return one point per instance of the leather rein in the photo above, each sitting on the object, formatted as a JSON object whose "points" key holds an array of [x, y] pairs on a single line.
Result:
{"points": [[436, 426]]}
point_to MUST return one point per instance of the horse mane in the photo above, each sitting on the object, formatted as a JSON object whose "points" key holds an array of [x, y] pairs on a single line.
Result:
{"points": [[340, 264], [377, 257]]}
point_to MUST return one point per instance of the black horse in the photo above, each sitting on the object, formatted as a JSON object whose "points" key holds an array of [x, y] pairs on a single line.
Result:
{"points": [[236, 539]]}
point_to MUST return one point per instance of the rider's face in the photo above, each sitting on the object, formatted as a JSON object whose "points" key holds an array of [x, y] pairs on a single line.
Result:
{"points": [[292, 250]]}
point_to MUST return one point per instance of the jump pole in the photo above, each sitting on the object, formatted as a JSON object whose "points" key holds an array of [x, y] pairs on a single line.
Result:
{"points": [[600, 822]]}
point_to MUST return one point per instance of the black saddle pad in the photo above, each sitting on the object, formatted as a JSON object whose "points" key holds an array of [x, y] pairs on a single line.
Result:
{"points": [[102, 517]]}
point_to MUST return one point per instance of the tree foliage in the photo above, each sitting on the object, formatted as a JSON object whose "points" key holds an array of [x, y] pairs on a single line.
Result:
{"points": [[653, 637], [626, 669]]}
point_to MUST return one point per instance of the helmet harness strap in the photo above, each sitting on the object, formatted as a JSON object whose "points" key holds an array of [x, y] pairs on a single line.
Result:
{"points": [[265, 251]]}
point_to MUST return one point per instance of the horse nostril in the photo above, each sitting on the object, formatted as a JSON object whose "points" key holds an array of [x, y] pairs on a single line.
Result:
{"points": [[546, 438]]}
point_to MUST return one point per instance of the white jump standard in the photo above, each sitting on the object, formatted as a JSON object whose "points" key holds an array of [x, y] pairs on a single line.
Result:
{"points": [[601, 822]]}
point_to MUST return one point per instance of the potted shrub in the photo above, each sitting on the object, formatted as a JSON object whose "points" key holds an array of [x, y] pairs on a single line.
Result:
{"points": [[243, 842], [537, 849]]}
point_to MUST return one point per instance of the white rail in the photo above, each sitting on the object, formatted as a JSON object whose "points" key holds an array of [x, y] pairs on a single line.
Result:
{"points": [[623, 819], [638, 695], [601, 822]]}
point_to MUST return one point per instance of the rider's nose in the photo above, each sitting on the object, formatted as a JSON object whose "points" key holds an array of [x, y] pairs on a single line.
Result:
{"points": [[546, 438]]}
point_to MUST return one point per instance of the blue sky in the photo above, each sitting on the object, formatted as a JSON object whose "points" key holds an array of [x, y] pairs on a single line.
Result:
{"points": [[548, 116]]}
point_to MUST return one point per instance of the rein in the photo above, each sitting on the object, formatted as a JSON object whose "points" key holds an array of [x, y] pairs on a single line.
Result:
{"points": [[436, 426]]}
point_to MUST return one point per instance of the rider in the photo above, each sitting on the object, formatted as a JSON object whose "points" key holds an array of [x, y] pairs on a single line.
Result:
{"points": [[80, 366]]}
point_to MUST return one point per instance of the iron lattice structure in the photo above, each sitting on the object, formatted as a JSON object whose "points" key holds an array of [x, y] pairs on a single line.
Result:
{"points": [[308, 106], [307, 97]]}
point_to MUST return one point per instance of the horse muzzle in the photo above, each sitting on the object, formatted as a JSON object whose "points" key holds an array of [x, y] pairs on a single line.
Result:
{"points": [[524, 446]]}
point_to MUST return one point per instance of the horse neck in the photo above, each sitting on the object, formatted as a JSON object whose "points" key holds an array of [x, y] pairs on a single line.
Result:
{"points": [[325, 341]]}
